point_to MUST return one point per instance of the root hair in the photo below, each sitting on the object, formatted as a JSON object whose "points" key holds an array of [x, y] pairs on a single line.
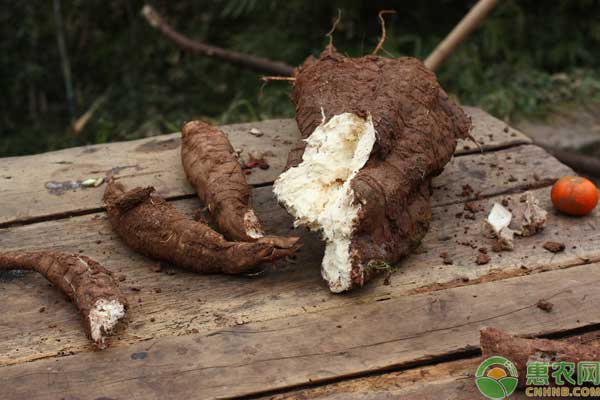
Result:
{"points": [[383, 33]]}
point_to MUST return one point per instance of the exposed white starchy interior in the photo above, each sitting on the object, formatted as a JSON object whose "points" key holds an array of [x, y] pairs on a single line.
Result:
{"points": [[103, 318], [497, 224], [318, 193], [499, 217], [252, 225]]}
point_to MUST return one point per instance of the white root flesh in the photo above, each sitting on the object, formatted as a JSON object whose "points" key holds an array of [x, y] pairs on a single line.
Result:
{"points": [[318, 194], [103, 318], [252, 225]]}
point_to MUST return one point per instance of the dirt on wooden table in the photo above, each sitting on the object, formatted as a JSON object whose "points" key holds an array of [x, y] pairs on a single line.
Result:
{"points": [[213, 336]]}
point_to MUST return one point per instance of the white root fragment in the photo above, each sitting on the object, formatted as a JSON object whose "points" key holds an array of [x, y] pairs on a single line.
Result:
{"points": [[103, 318], [256, 132], [533, 218], [496, 225], [318, 194], [252, 225]]}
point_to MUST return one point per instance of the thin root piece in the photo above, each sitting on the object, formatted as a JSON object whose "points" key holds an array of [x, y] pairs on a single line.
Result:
{"points": [[333, 27], [89, 285], [383, 33], [157, 229]]}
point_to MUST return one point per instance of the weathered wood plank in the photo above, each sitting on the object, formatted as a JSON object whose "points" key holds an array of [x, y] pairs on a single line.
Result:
{"points": [[448, 380], [189, 302], [453, 380], [487, 174], [155, 161], [315, 347]]}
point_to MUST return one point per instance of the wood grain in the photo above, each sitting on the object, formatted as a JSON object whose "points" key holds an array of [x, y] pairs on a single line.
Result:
{"points": [[315, 347], [24, 181], [187, 303], [452, 380]]}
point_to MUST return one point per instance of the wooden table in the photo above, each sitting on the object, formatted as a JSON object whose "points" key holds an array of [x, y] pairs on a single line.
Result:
{"points": [[283, 333]]}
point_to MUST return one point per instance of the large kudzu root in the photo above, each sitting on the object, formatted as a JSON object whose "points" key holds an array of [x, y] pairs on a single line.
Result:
{"points": [[90, 286], [375, 131], [211, 167], [522, 351], [152, 226]]}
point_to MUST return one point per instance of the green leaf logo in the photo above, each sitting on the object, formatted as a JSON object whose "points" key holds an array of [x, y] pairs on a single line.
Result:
{"points": [[496, 378]]}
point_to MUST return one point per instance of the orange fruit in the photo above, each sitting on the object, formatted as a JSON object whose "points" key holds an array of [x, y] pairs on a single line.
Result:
{"points": [[574, 195]]}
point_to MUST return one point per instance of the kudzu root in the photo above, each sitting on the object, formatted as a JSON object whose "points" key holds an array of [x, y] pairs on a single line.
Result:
{"points": [[375, 131], [90, 286], [213, 170], [152, 226], [520, 351]]}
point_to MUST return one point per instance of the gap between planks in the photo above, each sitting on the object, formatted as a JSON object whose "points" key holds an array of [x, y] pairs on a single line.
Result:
{"points": [[453, 174], [155, 161], [249, 360], [292, 289], [291, 281], [451, 379]]}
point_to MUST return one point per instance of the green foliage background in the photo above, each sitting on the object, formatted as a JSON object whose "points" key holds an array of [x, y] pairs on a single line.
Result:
{"points": [[527, 56]]}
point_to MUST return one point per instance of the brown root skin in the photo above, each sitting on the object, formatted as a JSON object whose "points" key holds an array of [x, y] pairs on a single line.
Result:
{"points": [[417, 127], [157, 229], [211, 167], [520, 350], [82, 279], [399, 94]]}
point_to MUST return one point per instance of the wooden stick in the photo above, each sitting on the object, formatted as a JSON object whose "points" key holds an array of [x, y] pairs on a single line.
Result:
{"points": [[82, 121], [460, 32], [246, 60]]}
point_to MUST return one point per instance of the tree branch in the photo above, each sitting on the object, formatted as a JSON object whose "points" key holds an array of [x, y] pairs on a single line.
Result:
{"points": [[245, 60]]}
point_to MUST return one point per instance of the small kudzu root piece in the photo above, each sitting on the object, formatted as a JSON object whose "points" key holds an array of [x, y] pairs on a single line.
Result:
{"points": [[521, 351], [88, 284], [152, 226], [375, 131], [211, 167]]}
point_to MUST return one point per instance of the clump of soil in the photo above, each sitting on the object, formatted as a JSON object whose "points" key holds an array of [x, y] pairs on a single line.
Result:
{"points": [[545, 305], [482, 259], [554, 247], [446, 259]]}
